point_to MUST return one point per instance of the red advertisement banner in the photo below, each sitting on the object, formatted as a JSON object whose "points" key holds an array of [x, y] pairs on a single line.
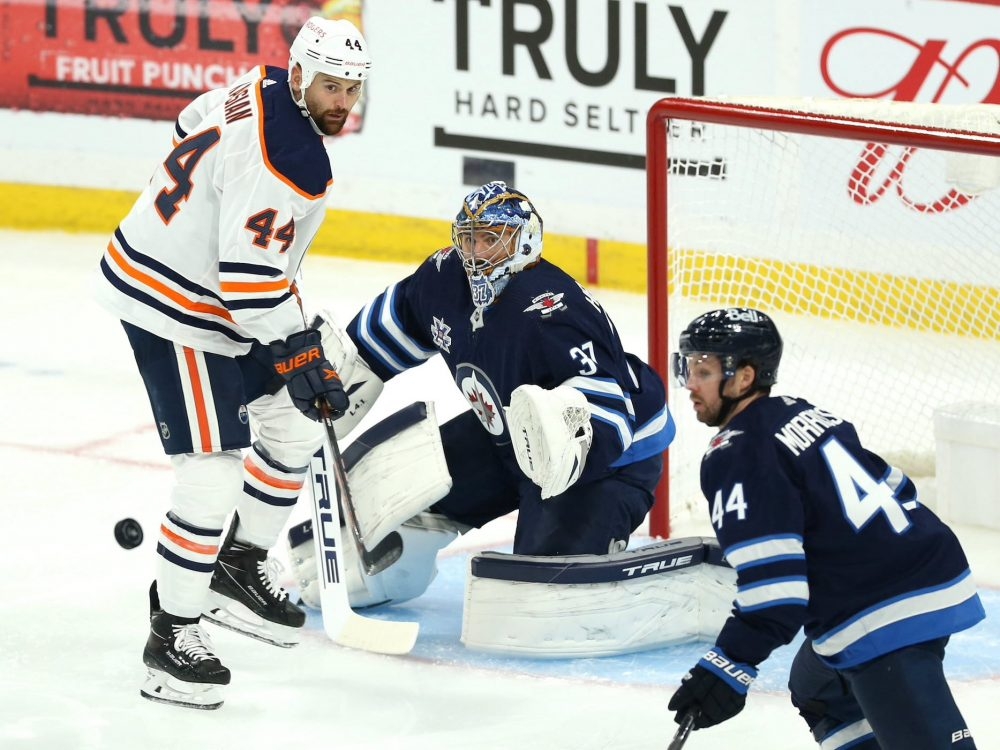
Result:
{"points": [[143, 58]]}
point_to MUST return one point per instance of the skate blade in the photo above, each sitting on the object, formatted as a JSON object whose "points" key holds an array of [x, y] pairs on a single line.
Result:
{"points": [[162, 688], [235, 616]]}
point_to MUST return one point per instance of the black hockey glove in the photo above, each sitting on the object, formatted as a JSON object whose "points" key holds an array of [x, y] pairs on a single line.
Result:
{"points": [[715, 689], [309, 375]]}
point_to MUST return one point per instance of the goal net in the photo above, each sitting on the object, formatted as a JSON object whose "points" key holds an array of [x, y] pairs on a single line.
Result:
{"points": [[870, 232]]}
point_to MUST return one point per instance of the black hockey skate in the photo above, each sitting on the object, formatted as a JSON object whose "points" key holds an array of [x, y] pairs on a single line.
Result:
{"points": [[183, 670], [245, 597]]}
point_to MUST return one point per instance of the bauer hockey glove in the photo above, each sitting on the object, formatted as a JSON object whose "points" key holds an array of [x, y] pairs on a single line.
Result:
{"points": [[310, 377], [715, 690]]}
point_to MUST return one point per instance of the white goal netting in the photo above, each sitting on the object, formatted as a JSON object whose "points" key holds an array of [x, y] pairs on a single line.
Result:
{"points": [[879, 261]]}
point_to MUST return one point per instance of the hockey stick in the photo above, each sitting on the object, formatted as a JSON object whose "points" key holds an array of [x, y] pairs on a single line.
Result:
{"points": [[390, 549], [681, 736], [342, 624]]}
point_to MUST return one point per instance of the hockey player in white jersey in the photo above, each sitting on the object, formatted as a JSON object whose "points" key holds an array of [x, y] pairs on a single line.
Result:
{"points": [[202, 273]]}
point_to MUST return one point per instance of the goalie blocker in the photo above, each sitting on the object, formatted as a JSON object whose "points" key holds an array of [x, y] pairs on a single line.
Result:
{"points": [[670, 592]]}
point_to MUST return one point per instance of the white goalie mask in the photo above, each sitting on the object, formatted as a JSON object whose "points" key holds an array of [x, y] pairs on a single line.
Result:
{"points": [[333, 47], [497, 232]]}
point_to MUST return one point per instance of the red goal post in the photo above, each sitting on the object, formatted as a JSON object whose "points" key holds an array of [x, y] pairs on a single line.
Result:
{"points": [[883, 217]]}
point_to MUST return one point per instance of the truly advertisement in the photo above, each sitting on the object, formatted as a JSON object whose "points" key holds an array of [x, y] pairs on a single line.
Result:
{"points": [[569, 80], [142, 58]]}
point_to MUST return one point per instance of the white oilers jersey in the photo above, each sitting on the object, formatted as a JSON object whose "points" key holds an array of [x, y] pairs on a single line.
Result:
{"points": [[208, 255]]}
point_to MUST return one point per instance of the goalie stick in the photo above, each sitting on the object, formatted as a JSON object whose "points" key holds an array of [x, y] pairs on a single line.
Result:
{"points": [[341, 623], [390, 549], [680, 737]]}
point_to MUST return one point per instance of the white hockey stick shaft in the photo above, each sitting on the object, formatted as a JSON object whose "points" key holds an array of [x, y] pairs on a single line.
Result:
{"points": [[342, 624]]}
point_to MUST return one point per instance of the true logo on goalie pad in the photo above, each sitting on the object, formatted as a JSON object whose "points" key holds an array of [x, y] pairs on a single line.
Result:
{"points": [[634, 571], [327, 518]]}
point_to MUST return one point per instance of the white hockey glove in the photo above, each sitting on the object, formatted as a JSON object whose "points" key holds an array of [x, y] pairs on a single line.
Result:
{"points": [[551, 433], [360, 383]]}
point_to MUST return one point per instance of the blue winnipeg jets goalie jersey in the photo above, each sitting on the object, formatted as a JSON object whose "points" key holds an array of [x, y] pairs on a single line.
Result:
{"points": [[824, 534], [209, 253], [543, 329]]}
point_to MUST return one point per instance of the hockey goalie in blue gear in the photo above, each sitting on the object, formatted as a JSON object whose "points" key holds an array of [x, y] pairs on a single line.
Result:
{"points": [[563, 425], [825, 536]]}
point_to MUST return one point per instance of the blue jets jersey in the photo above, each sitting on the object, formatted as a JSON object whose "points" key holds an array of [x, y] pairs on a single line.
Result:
{"points": [[544, 329], [824, 534]]}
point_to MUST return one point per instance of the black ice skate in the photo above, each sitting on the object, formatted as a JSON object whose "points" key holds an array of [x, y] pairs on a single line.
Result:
{"points": [[178, 656], [244, 595]]}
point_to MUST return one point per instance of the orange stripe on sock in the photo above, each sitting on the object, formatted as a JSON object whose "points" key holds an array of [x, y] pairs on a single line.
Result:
{"points": [[199, 400], [281, 484], [200, 549]]}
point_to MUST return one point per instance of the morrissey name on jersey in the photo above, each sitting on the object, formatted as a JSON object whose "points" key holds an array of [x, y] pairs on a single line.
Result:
{"points": [[804, 428]]}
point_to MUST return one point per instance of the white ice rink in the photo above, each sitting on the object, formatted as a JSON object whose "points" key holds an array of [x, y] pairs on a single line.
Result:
{"points": [[78, 453]]}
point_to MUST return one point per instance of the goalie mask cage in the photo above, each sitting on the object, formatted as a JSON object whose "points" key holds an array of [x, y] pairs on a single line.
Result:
{"points": [[869, 231]]}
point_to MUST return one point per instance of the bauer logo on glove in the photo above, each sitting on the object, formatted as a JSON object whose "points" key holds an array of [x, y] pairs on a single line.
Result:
{"points": [[309, 376], [300, 360]]}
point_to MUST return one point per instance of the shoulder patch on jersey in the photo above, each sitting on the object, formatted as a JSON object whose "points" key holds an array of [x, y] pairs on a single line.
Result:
{"points": [[723, 440], [547, 303]]}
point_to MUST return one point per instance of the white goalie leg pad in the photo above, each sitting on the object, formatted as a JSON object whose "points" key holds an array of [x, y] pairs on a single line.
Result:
{"points": [[671, 592], [361, 384], [396, 469], [407, 578], [551, 435]]}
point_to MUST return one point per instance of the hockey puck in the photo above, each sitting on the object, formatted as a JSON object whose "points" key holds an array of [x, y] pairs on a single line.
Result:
{"points": [[128, 533]]}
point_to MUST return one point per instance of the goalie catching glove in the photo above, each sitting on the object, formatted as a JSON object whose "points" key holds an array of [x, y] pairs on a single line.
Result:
{"points": [[551, 433]]}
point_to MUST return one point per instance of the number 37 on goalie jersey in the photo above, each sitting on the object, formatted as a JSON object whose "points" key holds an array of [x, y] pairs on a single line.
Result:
{"points": [[860, 496], [180, 165]]}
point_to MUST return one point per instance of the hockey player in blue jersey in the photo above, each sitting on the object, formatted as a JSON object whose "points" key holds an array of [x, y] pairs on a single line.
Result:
{"points": [[564, 426], [824, 536]]}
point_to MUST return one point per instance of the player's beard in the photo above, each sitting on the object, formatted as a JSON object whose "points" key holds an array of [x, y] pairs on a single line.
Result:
{"points": [[332, 121], [709, 415]]}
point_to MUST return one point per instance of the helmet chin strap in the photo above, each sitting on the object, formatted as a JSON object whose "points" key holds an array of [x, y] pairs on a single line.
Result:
{"points": [[728, 404], [301, 104]]}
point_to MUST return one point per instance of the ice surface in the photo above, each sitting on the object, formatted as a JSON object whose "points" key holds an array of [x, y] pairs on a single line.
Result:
{"points": [[78, 453]]}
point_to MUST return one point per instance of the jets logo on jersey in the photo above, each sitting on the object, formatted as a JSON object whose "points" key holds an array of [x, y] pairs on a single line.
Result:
{"points": [[440, 335], [482, 397], [723, 440], [547, 303]]}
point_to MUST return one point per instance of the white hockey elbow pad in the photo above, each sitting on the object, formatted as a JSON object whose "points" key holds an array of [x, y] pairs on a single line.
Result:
{"points": [[361, 384], [551, 433]]}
